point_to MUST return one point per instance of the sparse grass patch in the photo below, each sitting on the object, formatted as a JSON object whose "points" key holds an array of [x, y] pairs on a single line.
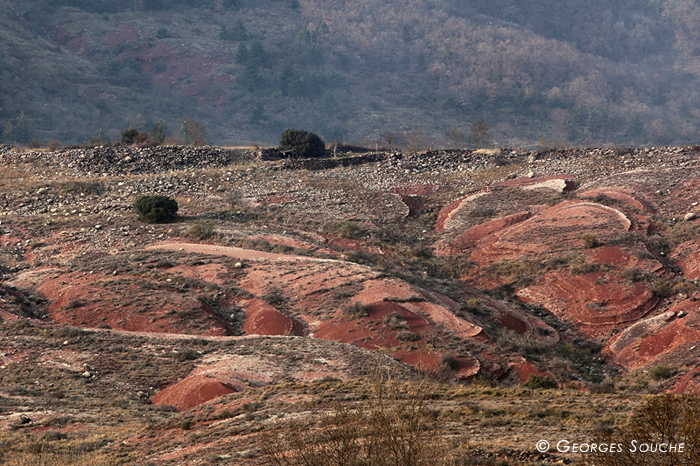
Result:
{"points": [[94, 188], [482, 212], [527, 269], [528, 346], [393, 425], [590, 240], [684, 232], [605, 386], [635, 275], [203, 229], [607, 201], [274, 297], [667, 287], [580, 266], [355, 311], [407, 335], [346, 230], [395, 321]]}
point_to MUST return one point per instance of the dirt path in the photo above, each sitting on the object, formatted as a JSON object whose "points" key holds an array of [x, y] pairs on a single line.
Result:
{"points": [[240, 253]]}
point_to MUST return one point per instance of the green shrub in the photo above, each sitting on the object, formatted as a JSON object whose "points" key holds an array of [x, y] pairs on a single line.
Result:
{"points": [[541, 382], [302, 143], [448, 362], [186, 424], [155, 209], [129, 136], [634, 275], [660, 372], [590, 240], [203, 229], [663, 288]]}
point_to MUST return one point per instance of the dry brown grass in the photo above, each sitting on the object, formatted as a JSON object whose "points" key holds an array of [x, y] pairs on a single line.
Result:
{"points": [[56, 448]]}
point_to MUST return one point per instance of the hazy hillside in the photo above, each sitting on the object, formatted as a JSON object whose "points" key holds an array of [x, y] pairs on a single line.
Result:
{"points": [[575, 72]]}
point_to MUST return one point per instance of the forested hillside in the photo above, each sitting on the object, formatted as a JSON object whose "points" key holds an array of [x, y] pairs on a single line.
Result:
{"points": [[571, 72]]}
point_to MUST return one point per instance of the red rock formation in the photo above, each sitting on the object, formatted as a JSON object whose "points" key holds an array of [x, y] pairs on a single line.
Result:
{"points": [[98, 300], [191, 391], [264, 319], [479, 232], [444, 216], [592, 304], [415, 205], [559, 183], [375, 332], [687, 256], [644, 343], [632, 200]]}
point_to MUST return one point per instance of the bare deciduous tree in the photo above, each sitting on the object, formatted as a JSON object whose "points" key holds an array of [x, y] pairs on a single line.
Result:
{"points": [[661, 420], [390, 139], [456, 137], [479, 134], [391, 427], [195, 132], [415, 141]]}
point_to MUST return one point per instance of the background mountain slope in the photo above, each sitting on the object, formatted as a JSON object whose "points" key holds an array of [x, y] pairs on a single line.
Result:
{"points": [[570, 71]]}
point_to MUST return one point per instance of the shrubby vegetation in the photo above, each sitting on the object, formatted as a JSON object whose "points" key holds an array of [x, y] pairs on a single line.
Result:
{"points": [[479, 134], [195, 132], [302, 143], [392, 426], [155, 209], [661, 419], [541, 382], [132, 136]]}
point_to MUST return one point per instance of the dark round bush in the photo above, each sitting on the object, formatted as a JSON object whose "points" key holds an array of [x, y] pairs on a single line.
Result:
{"points": [[129, 136], [302, 143], [449, 362], [155, 209]]}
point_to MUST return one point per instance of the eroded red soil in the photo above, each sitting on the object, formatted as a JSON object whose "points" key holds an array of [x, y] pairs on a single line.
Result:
{"points": [[190, 392], [264, 319]]}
